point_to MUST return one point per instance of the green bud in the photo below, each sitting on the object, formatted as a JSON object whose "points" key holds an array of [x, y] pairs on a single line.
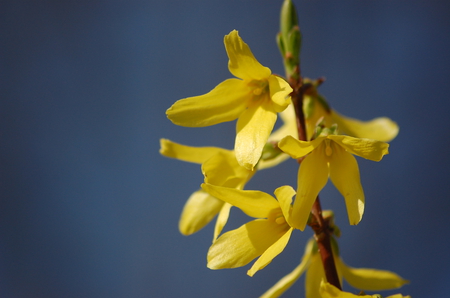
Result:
{"points": [[294, 44], [288, 18]]}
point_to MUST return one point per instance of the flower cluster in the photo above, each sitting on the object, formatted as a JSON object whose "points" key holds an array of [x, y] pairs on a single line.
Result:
{"points": [[255, 98]]}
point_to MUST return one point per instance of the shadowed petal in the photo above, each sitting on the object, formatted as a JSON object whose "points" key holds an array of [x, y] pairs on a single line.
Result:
{"points": [[254, 203], [370, 279], [252, 131], [366, 148], [198, 211], [270, 253], [239, 247], [188, 153], [314, 275], [344, 174], [224, 103], [242, 63], [381, 129], [296, 148], [312, 177]]}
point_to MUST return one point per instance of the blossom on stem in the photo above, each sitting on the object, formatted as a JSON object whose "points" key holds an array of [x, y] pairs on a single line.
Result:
{"points": [[359, 278], [330, 156], [254, 99], [264, 237], [221, 168]]}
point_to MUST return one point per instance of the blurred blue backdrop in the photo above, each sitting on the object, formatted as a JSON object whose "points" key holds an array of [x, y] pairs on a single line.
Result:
{"points": [[88, 207]]}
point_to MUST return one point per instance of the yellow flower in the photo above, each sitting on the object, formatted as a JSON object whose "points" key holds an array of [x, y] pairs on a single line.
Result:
{"points": [[330, 156], [264, 237], [221, 168], [359, 278], [254, 99], [329, 291]]}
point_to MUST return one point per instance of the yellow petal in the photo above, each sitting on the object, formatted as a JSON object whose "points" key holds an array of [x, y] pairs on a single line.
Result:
{"points": [[242, 63], [329, 291], [284, 195], [239, 247], [279, 93], [223, 169], [286, 282], [312, 177], [381, 129], [370, 279], [252, 131], [296, 148], [188, 153], [344, 173], [366, 148], [198, 211], [270, 253], [289, 127], [314, 275], [254, 203], [224, 103], [222, 219]]}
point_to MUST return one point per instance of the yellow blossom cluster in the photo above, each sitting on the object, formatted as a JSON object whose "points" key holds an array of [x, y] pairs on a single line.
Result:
{"points": [[254, 98]]}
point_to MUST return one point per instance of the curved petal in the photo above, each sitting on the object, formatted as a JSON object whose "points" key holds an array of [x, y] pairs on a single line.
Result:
{"points": [[314, 276], [198, 211], [224, 103], [279, 93], [252, 131], [252, 202], [312, 177], [239, 247], [370, 279], [329, 291], [381, 129], [284, 195], [296, 148], [344, 173], [287, 281], [242, 63], [366, 148], [223, 169], [188, 153], [222, 219], [270, 253]]}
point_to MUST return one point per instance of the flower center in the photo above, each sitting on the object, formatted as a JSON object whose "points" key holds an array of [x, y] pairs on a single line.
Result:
{"points": [[259, 87], [277, 216]]}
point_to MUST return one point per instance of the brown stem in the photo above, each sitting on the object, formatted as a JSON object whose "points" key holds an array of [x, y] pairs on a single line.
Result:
{"points": [[317, 223]]}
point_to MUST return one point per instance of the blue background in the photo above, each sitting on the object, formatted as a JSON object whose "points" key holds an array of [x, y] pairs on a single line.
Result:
{"points": [[88, 207]]}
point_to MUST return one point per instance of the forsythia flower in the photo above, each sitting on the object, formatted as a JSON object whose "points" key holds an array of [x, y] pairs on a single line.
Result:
{"points": [[266, 236], [254, 99], [359, 278], [329, 291], [221, 168], [330, 156]]}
